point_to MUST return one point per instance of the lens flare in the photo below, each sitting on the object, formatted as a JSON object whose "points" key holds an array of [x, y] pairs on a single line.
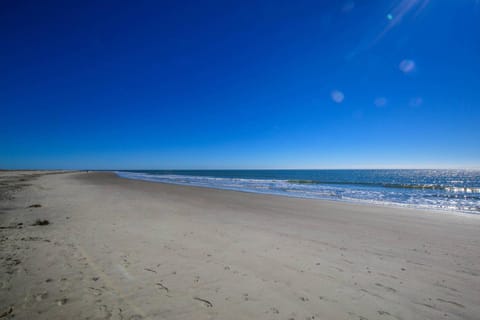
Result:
{"points": [[337, 96], [407, 66], [399, 12], [348, 6], [416, 102], [380, 102]]}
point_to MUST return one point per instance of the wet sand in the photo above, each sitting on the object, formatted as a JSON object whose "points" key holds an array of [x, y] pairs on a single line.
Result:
{"points": [[114, 248]]}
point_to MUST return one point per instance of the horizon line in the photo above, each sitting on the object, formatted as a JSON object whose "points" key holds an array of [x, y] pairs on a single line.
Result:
{"points": [[243, 169]]}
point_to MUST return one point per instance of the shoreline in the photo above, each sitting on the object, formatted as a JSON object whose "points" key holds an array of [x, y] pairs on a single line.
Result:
{"points": [[386, 204], [130, 249]]}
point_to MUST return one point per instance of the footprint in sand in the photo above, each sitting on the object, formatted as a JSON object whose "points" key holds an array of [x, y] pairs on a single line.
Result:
{"points": [[96, 291], [41, 296], [150, 270], [161, 286], [7, 312], [382, 313], [390, 289], [451, 302], [205, 302], [274, 310], [107, 313]]}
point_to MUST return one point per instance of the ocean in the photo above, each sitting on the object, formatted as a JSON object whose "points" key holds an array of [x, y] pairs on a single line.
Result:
{"points": [[450, 190]]}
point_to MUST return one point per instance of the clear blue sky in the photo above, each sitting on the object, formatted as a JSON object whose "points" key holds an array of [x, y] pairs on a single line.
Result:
{"points": [[260, 84]]}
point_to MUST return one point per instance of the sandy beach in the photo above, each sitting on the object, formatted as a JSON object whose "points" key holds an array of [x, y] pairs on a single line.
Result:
{"points": [[95, 246]]}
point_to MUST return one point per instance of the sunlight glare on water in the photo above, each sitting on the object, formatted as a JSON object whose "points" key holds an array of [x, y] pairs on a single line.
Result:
{"points": [[451, 190]]}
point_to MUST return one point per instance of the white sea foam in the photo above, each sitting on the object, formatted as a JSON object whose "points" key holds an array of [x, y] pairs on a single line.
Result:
{"points": [[445, 199]]}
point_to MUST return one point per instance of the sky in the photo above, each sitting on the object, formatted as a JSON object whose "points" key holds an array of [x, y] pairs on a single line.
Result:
{"points": [[239, 84]]}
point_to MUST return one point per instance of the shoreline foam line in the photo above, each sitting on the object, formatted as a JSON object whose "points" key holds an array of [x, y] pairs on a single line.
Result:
{"points": [[417, 198]]}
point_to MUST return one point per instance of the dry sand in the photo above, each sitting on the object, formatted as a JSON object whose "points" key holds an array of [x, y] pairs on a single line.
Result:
{"points": [[124, 249]]}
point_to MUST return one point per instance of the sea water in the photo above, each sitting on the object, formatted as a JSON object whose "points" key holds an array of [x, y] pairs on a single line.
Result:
{"points": [[452, 190]]}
